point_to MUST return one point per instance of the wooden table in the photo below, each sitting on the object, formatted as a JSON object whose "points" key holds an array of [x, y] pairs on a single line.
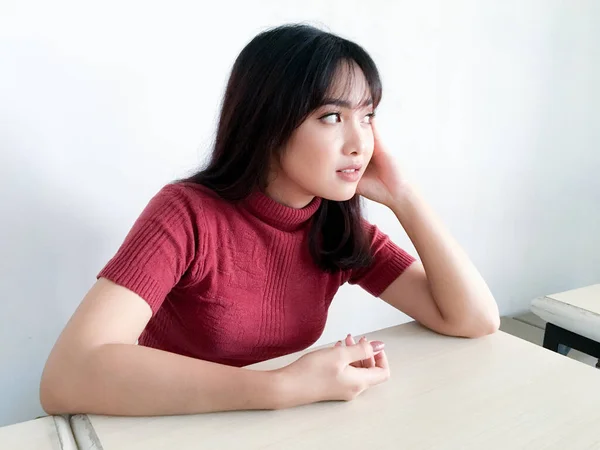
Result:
{"points": [[47, 433], [497, 392], [573, 319]]}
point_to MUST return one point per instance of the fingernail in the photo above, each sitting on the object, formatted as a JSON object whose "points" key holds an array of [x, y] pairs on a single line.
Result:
{"points": [[377, 346], [349, 335]]}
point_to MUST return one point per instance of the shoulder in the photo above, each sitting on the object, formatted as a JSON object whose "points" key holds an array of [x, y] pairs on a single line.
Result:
{"points": [[374, 234], [190, 198], [189, 191], [388, 263]]}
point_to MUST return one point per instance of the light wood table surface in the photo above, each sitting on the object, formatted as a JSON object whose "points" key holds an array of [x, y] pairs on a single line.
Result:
{"points": [[496, 392], [46, 433]]}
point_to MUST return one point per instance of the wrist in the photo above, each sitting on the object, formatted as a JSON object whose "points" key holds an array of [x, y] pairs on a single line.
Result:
{"points": [[285, 392], [402, 199], [261, 390], [293, 388]]}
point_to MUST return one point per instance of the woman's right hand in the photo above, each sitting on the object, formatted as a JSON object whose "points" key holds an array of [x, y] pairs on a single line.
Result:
{"points": [[332, 373]]}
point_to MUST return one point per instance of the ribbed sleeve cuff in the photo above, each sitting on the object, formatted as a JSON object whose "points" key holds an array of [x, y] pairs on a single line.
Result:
{"points": [[135, 280], [379, 279]]}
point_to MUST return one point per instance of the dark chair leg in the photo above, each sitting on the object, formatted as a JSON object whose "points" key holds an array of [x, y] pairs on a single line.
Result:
{"points": [[563, 349], [551, 337], [560, 340]]}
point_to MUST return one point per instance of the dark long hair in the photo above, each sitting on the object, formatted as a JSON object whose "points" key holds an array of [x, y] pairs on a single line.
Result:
{"points": [[278, 79]]}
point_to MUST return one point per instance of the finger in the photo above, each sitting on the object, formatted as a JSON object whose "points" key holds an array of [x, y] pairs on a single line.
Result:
{"points": [[376, 135], [358, 352], [370, 376], [365, 362], [380, 372], [349, 342], [381, 361], [370, 362], [376, 375], [377, 346], [338, 344]]}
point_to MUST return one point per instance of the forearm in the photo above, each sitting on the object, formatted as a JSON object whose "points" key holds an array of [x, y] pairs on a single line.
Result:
{"points": [[122, 379], [462, 296]]}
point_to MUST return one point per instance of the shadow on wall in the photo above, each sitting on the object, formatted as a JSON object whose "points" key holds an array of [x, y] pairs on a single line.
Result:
{"points": [[45, 271], [71, 142], [542, 217], [50, 245], [560, 205]]}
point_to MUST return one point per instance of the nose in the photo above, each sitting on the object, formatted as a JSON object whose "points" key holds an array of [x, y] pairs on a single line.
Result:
{"points": [[356, 139]]}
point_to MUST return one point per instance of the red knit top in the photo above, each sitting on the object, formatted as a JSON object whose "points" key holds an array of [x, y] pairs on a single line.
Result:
{"points": [[235, 283]]}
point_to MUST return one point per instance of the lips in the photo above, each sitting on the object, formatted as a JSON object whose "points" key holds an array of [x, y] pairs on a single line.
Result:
{"points": [[350, 174], [351, 169]]}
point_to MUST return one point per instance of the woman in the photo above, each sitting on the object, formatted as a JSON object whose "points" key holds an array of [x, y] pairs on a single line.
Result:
{"points": [[239, 263]]}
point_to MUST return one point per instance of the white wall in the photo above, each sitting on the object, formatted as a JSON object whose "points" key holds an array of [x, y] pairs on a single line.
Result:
{"points": [[489, 105]]}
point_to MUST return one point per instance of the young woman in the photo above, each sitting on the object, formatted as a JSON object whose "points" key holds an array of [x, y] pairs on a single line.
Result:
{"points": [[239, 263]]}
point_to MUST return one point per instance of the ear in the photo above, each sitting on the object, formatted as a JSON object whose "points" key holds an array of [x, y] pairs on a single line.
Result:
{"points": [[274, 167]]}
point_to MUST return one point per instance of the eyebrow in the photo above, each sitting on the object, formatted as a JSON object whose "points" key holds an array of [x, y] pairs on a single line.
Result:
{"points": [[345, 103]]}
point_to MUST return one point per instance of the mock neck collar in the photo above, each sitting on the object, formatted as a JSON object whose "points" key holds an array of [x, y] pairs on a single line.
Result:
{"points": [[280, 216]]}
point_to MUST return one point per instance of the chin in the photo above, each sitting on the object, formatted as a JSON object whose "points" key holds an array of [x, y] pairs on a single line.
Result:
{"points": [[340, 196]]}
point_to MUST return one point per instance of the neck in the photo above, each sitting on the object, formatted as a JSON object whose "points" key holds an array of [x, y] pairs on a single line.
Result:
{"points": [[292, 198]]}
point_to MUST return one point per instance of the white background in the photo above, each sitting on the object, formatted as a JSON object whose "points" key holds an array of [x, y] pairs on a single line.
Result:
{"points": [[490, 106]]}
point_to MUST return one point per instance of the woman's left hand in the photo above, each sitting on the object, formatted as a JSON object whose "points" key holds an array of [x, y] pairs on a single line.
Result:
{"points": [[382, 181], [365, 363]]}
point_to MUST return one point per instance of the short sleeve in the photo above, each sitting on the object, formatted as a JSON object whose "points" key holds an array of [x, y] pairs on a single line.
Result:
{"points": [[159, 248], [389, 262]]}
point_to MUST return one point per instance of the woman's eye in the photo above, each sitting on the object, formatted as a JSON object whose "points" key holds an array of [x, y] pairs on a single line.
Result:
{"points": [[331, 118], [369, 117]]}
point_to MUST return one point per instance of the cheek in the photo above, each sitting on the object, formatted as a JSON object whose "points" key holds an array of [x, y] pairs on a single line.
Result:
{"points": [[371, 144], [303, 162], [314, 150]]}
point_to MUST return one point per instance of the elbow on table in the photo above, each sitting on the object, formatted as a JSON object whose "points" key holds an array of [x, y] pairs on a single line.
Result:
{"points": [[473, 327], [55, 394], [49, 400], [484, 320], [483, 326]]}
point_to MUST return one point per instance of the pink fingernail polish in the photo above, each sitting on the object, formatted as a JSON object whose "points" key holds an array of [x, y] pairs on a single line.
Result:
{"points": [[377, 346]]}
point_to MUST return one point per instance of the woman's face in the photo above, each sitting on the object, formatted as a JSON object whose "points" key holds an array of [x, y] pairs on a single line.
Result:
{"points": [[328, 153]]}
